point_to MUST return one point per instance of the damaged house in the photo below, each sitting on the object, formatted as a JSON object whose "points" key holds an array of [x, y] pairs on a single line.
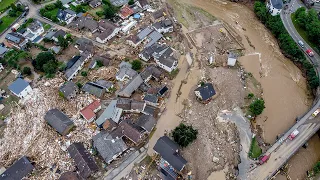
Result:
{"points": [[20, 169], [107, 31], [89, 112], [59, 121], [125, 71], [112, 112]]}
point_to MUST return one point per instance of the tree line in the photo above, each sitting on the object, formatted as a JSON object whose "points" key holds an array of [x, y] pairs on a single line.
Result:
{"points": [[288, 46], [309, 21]]}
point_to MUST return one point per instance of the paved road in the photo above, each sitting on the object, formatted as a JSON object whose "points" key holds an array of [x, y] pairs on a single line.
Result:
{"points": [[283, 149], [34, 13]]}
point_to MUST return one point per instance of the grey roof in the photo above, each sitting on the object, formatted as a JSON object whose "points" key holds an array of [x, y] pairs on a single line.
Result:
{"points": [[168, 150], [153, 49], [58, 120], [119, 2], [93, 89], [147, 122], [278, 4], [49, 35], [94, 2], [150, 110], [66, 1], [154, 37], [3, 50], [206, 91], [151, 98], [56, 49], [105, 84], [164, 23], [144, 33], [167, 58], [14, 37], [131, 86], [35, 25], [126, 71], [60, 32], [18, 85], [85, 22], [69, 176], [158, 14], [76, 65], [85, 45], [18, 170], [83, 160], [68, 88], [124, 103], [107, 146], [150, 71], [143, 2], [125, 64], [108, 113]]}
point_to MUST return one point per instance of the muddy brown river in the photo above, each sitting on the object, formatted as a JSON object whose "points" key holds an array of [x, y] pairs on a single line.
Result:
{"points": [[284, 88]]}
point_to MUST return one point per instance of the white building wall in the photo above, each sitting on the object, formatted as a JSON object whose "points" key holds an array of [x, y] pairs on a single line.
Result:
{"points": [[272, 10], [25, 92]]}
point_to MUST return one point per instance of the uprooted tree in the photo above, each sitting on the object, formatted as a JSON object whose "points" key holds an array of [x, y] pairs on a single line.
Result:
{"points": [[184, 134]]}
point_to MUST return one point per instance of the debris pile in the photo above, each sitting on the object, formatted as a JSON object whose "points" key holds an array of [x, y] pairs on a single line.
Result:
{"points": [[106, 73], [28, 134]]}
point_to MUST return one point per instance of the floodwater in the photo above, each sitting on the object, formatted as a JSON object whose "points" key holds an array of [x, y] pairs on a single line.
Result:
{"points": [[284, 88]]}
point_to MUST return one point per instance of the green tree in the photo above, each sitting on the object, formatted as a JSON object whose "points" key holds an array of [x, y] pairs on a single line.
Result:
{"points": [[256, 107], [42, 58], [109, 10], [136, 65], [79, 85], [58, 4], [63, 42], [184, 135], [50, 67], [84, 73], [131, 2], [79, 9], [99, 63], [26, 70], [12, 13], [13, 7]]}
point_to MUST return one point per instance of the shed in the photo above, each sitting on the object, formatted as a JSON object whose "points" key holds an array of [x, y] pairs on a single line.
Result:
{"points": [[59, 121]]}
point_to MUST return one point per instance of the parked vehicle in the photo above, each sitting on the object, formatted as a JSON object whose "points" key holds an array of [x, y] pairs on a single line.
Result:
{"points": [[15, 27], [301, 43], [309, 52], [316, 113], [264, 159], [293, 134]]}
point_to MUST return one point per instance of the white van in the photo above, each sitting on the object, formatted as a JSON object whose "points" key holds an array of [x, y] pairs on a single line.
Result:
{"points": [[301, 43]]}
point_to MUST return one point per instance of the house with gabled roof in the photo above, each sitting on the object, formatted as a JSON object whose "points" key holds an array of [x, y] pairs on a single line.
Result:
{"points": [[130, 105], [94, 89], [77, 66], [143, 4], [84, 162], [135, 40], [131, 86], [68, 90], [125, 71], [69, 176], [148, 52], [16, 40], [167, 60], [171, 161], [34, 30], [108, 147], [66, 15], [150, 72], [205, 92], [112, 112], [164, 26], [89, 112], [125, 12], [147, 122], [59, 121], [132, 131], [108, 30], [18, 170], [20, 88]]}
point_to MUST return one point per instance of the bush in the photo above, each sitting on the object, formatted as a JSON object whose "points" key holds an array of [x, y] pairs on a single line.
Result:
{"points": [[136, 65], [131, 2], [84, 73], [79, 85], [250, 95], [26, 70], [46, 62], [256, 107], [184, 135], [99, 63]]}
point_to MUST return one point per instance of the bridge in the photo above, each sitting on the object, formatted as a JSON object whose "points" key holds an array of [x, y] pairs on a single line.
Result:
{"points": [[282, 150]]}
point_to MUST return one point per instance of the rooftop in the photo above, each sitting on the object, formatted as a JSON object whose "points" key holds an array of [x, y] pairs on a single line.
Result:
{"points": [[147, 122], [132, 131], [89, 111], [206, 91], [18, 85], [68, 88], [169, 151], [58, 120], [111, 112], [93, 89], [18, 170]]}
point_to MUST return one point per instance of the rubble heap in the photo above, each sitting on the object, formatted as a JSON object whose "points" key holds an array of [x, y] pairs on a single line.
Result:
{"points": [[106, 73], [28, 134]]}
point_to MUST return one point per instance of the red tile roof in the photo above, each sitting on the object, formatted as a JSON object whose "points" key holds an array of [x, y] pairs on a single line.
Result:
{"points": [[88, 112], [125, 12]]}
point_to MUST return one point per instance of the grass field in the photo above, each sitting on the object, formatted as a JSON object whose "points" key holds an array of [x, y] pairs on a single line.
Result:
{"points": [[46, 27], [6, 22], [255, 150], [53, 12], [5, 3], [302, 32]]}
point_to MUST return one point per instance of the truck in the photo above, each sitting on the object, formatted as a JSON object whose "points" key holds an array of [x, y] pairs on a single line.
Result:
{"points": [[293, 134], [15, 27], [264, 159], [309, 52]]}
